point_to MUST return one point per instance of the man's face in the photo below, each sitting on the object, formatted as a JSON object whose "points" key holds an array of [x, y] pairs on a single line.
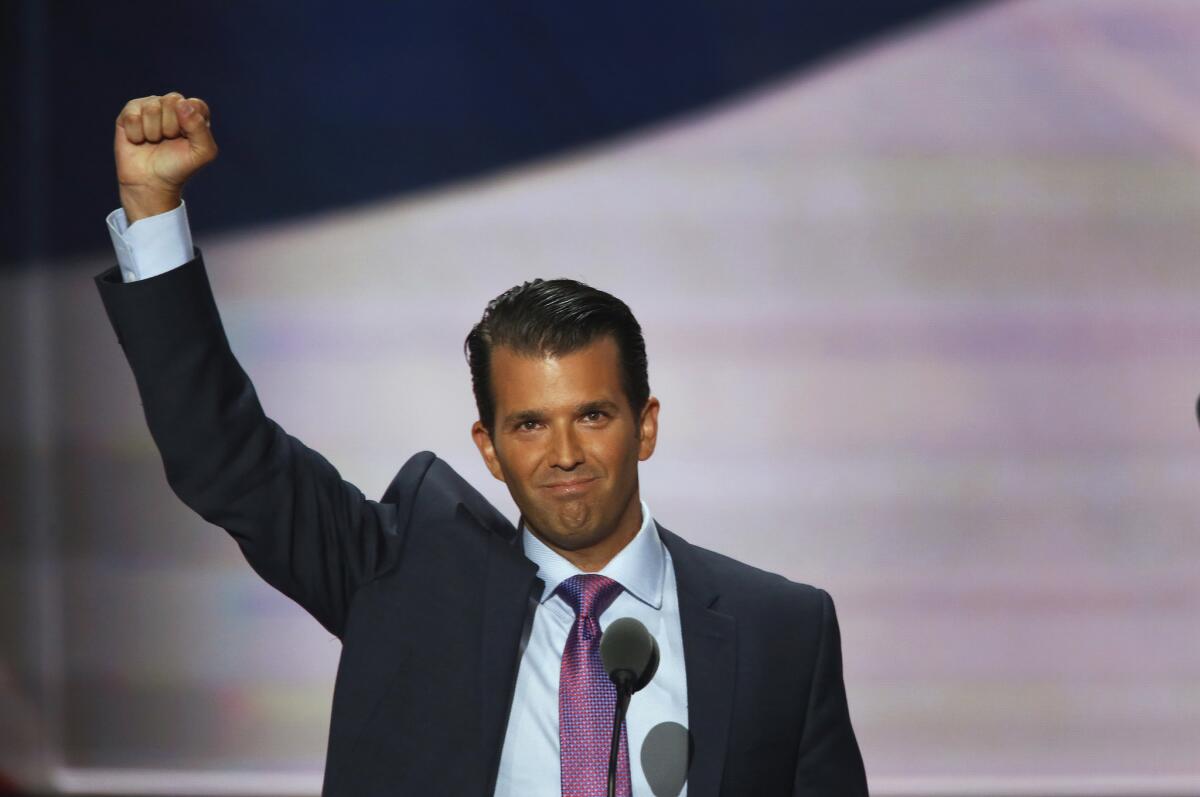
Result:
{"points": [[567, 444]]}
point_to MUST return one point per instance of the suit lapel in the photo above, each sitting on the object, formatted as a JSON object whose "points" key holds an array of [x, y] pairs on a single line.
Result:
{"points": [[509, 581], [709, 649]]}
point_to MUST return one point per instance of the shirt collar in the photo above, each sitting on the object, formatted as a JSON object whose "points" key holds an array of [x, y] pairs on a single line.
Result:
{"points": [[639, 567]]}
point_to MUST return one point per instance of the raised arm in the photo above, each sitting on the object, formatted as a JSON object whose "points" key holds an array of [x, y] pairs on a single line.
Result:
{"points": [[305, 530]]}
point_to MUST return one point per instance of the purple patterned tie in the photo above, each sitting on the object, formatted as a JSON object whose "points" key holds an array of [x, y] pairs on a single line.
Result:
{"points": [[586, 695]]}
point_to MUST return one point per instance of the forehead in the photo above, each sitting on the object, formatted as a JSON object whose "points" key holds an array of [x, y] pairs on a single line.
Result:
{"points": [[521, 381]]}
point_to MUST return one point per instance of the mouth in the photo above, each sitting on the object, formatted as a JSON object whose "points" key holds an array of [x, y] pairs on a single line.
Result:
{"points": [[569, 488]]}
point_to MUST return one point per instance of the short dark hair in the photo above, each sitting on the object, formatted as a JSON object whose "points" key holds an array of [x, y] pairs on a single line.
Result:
{"points": [[555, 317]]}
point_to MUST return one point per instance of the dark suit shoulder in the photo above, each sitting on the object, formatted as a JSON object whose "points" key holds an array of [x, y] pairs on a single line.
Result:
{"points": [[429, 491], [407, 481], [740, 579], [790, 693]]}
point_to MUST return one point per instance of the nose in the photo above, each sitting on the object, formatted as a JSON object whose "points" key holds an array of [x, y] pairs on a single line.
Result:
{"points": [[565, 451]]}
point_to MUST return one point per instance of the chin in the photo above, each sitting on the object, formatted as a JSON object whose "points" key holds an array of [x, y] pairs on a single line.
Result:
{"points": [[573, 540]]}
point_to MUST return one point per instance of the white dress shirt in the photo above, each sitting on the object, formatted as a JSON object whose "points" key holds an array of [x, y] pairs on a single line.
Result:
{"points": [[150, 246], [529, 764], [529, 761]]}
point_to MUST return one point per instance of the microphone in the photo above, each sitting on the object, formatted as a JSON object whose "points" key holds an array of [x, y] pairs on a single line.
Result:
{"points": [[630, 657], [666, 756]]}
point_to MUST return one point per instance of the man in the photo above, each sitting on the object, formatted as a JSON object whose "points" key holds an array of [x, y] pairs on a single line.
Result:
{"points": [[470, 661]]}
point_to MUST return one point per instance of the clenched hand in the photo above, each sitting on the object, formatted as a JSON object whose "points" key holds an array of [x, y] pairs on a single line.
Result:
{"points": [[160, 142]]}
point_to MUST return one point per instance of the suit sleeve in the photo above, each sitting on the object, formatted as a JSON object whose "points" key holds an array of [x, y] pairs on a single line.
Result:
{"points": [[829, 762], [307, 532]]}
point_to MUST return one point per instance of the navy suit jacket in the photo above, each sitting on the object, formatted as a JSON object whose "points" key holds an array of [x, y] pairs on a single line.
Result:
{"points": [[430, 592]]}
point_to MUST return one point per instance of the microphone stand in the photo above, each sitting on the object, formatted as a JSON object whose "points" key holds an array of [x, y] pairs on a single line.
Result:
{"points": [[630, 655], [624, 693]]}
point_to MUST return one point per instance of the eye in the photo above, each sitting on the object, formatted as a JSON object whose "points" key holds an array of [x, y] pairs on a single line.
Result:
{"points": [[595, 415], [527, 426]]}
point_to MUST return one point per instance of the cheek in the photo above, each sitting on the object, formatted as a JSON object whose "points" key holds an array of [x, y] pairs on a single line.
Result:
{"points": [[518, 463], [618, 454]]}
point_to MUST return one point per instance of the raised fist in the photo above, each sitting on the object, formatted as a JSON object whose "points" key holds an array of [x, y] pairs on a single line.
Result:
{"points": [[160, 143]]}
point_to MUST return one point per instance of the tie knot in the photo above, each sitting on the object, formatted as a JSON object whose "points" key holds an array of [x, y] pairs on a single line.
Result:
{"points": [[589, 595]]}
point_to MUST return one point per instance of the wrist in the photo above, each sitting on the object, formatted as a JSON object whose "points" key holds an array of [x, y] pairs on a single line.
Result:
{"points": [[141, 203]]}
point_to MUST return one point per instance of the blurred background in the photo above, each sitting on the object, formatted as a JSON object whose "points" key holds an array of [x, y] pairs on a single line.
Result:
{"points": [[921, 301]]}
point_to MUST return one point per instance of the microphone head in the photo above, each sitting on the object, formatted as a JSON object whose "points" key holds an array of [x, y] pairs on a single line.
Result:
{"points": [[629, 653], [666, 757]]}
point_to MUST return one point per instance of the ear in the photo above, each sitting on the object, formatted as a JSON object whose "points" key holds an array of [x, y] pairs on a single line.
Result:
{"points": [[483, 441], [648, 429]]}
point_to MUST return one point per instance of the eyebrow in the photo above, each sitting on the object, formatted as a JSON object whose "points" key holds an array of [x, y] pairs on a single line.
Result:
{"points": [[523, 416], [602, 405], [593, 406]]}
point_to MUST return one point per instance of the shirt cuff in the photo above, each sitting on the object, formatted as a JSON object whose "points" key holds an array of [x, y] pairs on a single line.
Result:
{"points": [[150, 246]]}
